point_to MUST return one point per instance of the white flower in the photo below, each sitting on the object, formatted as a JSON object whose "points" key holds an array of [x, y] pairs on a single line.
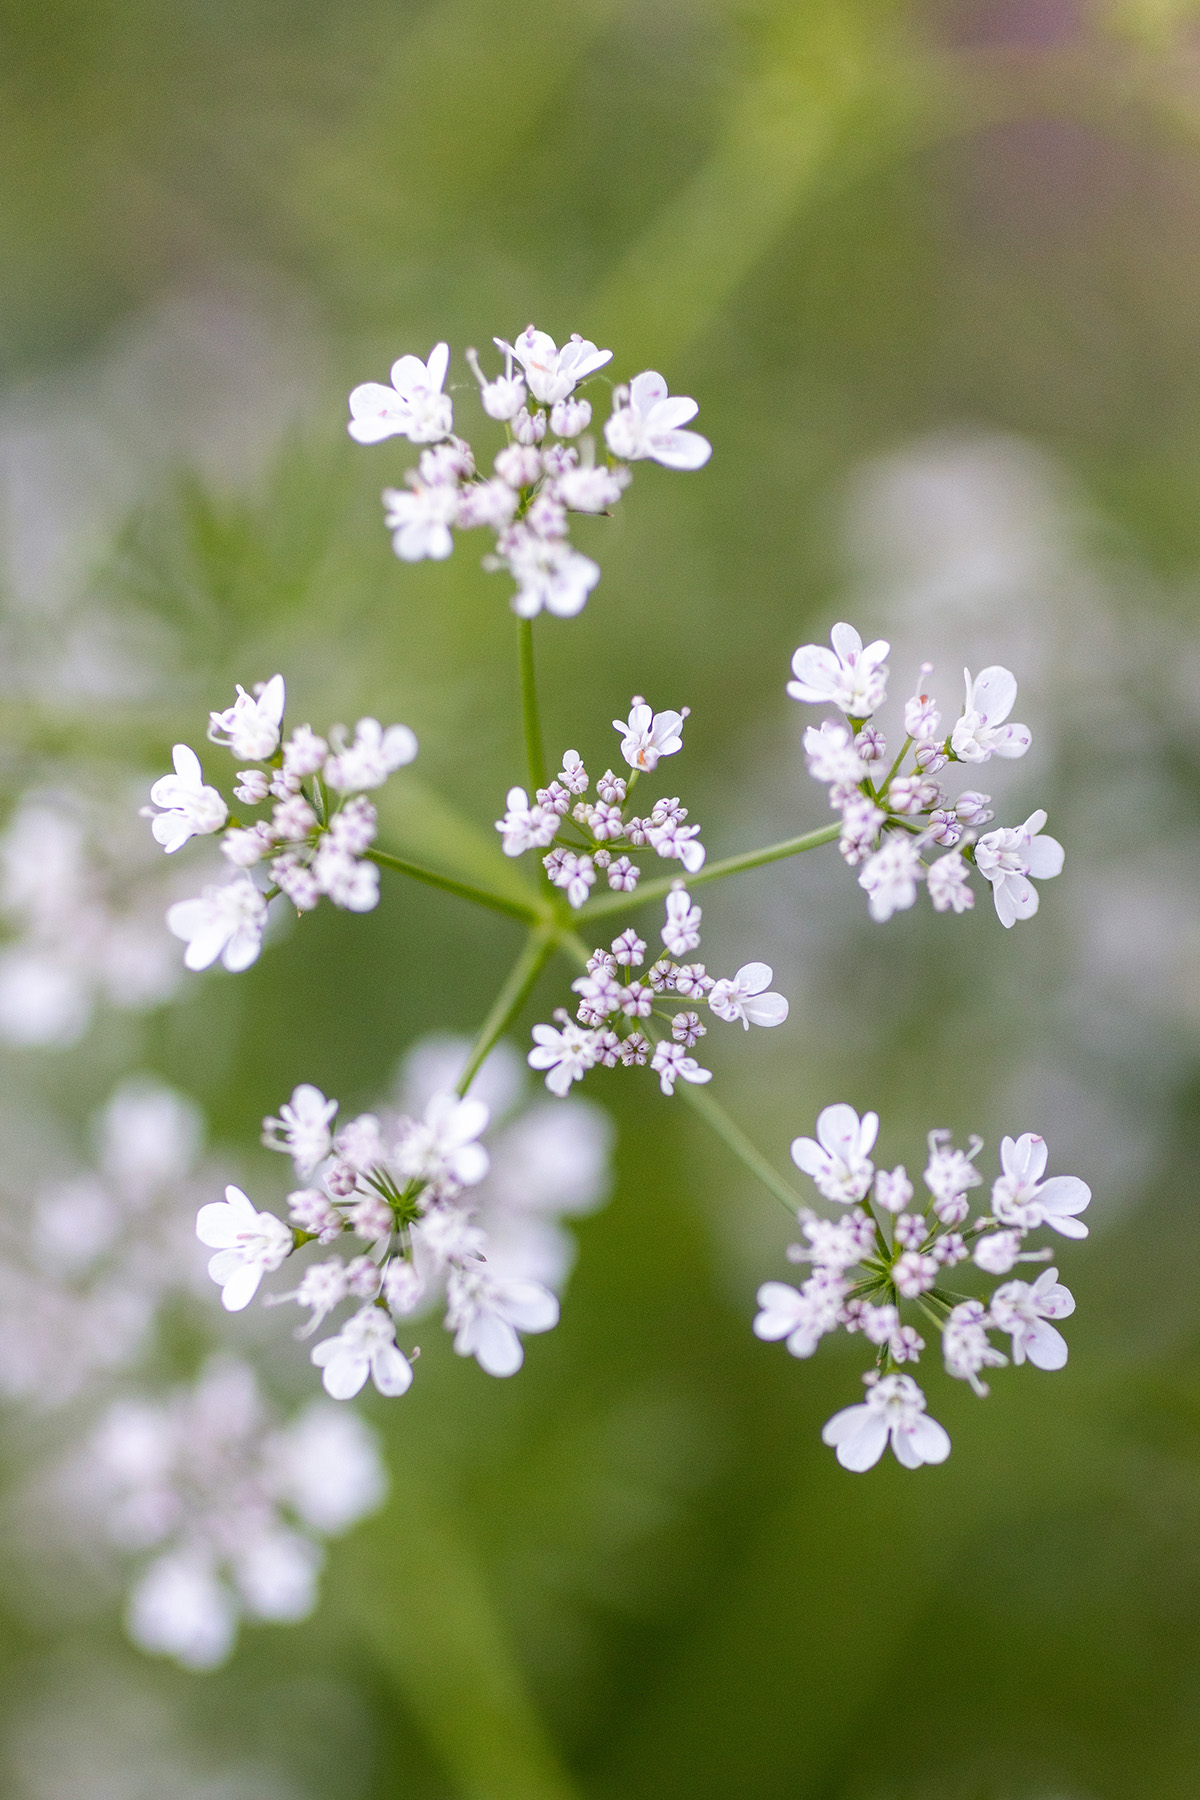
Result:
{"points": [[890, 876], [646, 422], [893, 1191], [591, 490], [1020, 1197], [486, 1312], [681, 932], [193, 810], [801, 1315], [950, 1173], [179, 1608], [948, 880], [965, 1345], [302, 1130], [647, 735], [366, 1345], [1009, 857], [742, 997], [250, 727], [981, 732], [852, 678], [249, 1245], [371, 758], [548, 573], [419, 518], [996, 1253], [671, 1063], [675, 841], [225, 921], [441, 1147], [566, 1055], [569, 417], [553, 373], [413, 407], [502, 398], [525, 827], [839, 1162], [1024, 1311], [895, 1408], [323, 1286], [832, 755]]}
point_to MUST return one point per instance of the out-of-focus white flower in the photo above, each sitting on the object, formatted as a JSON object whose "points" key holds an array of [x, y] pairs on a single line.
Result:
{"points": [[591, 490], [1009, 857], [742, 997], [179, 1608], [370, 758], [303, 1128], [569, 417], [671, 1063], [802, 1315], [832, 755], [249, 1245], [646, 422], [549, 574], [853, 678], [839, 1162], [981, 732], [443, 1147], [225, 922], [965, 1346], [413, 407], [890, 876], [948, 880], [250, 727], [895, 1409], [366, 1345], [419, 518], [486, 1315], [1024, 1312], [525, 827], [552, 373], [191, 808]]}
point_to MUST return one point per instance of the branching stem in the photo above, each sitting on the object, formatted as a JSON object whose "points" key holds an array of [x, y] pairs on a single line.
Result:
{"points": [[535, 755], [729, 865], [528, 913], [539, 948]]}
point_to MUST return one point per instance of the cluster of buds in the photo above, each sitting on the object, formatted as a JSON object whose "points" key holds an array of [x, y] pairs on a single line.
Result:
{"points": [[887, 1255], [615, 1018], [546, 471], [315, 839], [592, 838], [892, 818]]}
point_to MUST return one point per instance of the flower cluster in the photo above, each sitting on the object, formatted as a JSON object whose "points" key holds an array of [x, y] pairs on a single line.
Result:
{"points": [[592, 838], [315, 841], [228, 1506], [546, 470], [893, 817], [615, 1021], [886, 1254], [86, 915], [435, 1215]]}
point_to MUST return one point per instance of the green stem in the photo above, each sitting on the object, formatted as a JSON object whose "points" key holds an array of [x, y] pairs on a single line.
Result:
{"points": [[730, 865], [515, 909], [735, 1139], [539, 948], [535, 756]]}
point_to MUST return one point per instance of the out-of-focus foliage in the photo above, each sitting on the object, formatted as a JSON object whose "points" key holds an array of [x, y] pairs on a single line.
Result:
{"points": [[932, 273]]}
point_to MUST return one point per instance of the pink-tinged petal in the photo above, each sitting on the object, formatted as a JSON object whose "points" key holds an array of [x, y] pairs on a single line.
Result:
{"points": [[838, 1129], [496, 1347], [766, 1009], [1026, 1159], [1045, 1347], [1066, 1226], [995, 694], [1012, 741], [1015, 897], [469, 1164], [925, 1441], [543, 1057], [778, 1301], [1046, 856], [240, 1289], [529, 1306], [220, 1223], [588, 363], [877, 652], [1064, 1194], [753, 977], [345, 1371], [859, 1436], [846, 641], [647, 390], [670, 414], [391, 1371], [680, 450], [818, 673], [408, 372], [802, 1343], [1034, 823], [808, 1157], [439, 362]]}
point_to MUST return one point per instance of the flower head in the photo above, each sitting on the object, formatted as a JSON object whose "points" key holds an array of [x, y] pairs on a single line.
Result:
{"points": [[486, 1313], [552, 373], [249, 1245], [413, 407], [372, 756], [1009, 857], [853, 678], [895, 1409], [1024, 1312], [226, 921], [366, 1345], [981, 732], [647, 735], [250, 727], [192, 810], [742, 998], [1021, 1198], [839, 1161]]}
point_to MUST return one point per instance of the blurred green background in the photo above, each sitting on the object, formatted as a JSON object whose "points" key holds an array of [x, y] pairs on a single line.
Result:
{"points": [[932, 273]]}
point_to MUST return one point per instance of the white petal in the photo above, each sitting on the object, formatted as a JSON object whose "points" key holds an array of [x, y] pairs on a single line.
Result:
{"points": [[859, 1436], [1045, 1347], [345, 1370], [240, 1289], [496, 1347], [925, 1440], [1046, 858], [995, 693], [391, 1371], [766, 1009]]}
